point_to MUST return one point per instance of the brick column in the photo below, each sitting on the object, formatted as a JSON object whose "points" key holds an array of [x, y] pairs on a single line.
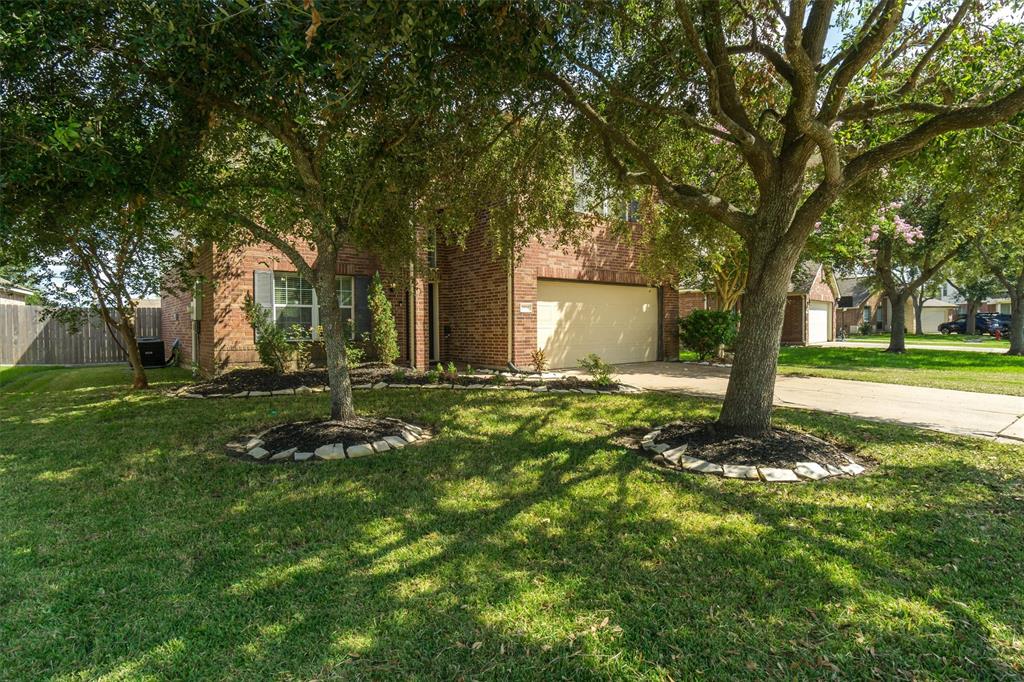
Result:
{"points": [[670, 322]]}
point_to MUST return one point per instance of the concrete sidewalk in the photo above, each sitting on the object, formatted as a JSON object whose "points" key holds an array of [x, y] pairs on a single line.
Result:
{"points": [[970, 348], [985, 415]]}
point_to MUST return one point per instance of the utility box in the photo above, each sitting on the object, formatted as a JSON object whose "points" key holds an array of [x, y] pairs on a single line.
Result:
{"points": [[152, 352]]}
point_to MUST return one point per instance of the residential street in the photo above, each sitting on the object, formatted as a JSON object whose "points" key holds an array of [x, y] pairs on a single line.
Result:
{"points": [[998, 417]]}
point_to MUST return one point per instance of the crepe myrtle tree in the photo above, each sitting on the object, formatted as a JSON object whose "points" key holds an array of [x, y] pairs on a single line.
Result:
{"points": [[811, 97], [355, 127], [905, 256], [84, 144]]}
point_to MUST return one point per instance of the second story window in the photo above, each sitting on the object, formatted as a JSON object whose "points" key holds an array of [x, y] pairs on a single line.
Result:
{"points": [[432, 248]]}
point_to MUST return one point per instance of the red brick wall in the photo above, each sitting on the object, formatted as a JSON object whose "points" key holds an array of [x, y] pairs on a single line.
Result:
{"points": [[176, 320], [795, 320], [474, 303]]}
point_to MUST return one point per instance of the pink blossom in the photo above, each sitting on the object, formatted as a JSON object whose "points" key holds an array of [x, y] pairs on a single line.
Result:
{"points": [[817, 226]]}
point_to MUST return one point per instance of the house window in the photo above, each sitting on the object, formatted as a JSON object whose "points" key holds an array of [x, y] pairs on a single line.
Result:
{"points": [[293, 301], [867, 313], [432, 248], [346, 300]]}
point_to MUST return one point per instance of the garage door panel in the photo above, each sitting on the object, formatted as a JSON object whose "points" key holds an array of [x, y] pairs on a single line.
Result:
{"points": [[818, 321], [619, 323]]}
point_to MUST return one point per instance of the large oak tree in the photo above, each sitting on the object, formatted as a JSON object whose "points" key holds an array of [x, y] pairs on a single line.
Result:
{"points": [[813, 97]]}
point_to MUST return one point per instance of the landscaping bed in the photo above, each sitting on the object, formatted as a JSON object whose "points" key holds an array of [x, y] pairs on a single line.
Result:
{"points": [[327, 440], [780, 456], [262, 381]]}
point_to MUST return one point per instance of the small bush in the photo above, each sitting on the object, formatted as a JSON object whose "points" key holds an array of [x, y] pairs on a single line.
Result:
{"points": [[539, 360], [706, 332], [271, 343], [499, 379], [384, 334], [599, 370], [433, 376], [302, 346], [864, 328], [398, 374]]}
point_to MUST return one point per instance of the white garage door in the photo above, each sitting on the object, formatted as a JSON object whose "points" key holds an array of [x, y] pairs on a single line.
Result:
{"points": [[619, 323], [817, 321], [931, 318]]}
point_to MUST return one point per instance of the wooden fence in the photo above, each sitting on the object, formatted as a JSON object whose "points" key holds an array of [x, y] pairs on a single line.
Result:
{"points": [[27, 339]]}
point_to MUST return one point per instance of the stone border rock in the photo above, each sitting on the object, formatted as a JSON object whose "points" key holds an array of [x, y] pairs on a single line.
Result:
{"points": [[675, 458], [251, 446], [533, 384]]}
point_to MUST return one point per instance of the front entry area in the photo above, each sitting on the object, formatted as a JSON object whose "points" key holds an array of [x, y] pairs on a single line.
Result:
{"points": [[618, 322]]}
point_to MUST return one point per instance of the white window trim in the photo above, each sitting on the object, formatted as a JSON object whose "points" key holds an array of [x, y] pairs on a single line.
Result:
{"points": [[315, 314]]}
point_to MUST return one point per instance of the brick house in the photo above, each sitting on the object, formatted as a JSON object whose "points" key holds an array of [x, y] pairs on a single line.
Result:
{"points": [[470, 309], [810, 305], [859, 303]]}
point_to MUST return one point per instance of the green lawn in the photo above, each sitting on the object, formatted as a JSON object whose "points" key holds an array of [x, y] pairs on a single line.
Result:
{"points": [[963, 370], [11, 373], [520, 543], [938, 340]]}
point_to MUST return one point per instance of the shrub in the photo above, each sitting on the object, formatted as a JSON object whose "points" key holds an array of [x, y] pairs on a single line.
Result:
{"points": [[706, 332], [302, 346], [539, 360], [384, 334], [271, 343], [599, 370], [864, 328]]}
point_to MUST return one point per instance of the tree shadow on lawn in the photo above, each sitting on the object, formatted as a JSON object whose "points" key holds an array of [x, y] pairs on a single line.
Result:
{"points": [[522, 528]]}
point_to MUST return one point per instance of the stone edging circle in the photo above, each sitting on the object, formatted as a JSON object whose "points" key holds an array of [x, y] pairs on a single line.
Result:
{"points": [[673, 458], [251, 447], [536, 386]]}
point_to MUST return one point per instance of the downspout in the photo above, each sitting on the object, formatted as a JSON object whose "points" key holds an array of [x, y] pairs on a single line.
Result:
{"points": [[511, 316]]}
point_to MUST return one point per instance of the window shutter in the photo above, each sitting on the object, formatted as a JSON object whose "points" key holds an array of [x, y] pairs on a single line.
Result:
{"points": [[263, 291], [361, 300]]}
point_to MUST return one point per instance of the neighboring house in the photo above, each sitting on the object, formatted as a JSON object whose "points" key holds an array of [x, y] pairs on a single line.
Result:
{"points": [[810, 305], [470, 309], [991, 305], [859, 303], [13, 294]]}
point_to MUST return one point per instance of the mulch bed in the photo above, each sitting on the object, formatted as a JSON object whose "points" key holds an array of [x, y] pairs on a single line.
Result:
{"points": [[780, 448], [262, 379], [308, 436]]}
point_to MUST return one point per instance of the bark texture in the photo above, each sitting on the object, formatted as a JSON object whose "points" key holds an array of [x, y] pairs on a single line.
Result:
{"points": [[898, 322], [1017, 323], [126, 326], [748, 399], [334, 337]]}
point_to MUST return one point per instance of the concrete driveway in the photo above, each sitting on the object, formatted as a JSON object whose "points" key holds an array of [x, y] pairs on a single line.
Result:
{"points": [[985, 415]]}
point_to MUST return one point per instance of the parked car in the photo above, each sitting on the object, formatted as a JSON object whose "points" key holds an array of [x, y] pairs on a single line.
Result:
{"points": [[983, 324]]}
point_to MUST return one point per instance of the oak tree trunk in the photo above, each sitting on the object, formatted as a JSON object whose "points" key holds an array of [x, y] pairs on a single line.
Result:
{"points": [[334, 337], [1017, 323], [972, 313], [898, 323], [131, 346], [918, 309], [748, 399]]}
